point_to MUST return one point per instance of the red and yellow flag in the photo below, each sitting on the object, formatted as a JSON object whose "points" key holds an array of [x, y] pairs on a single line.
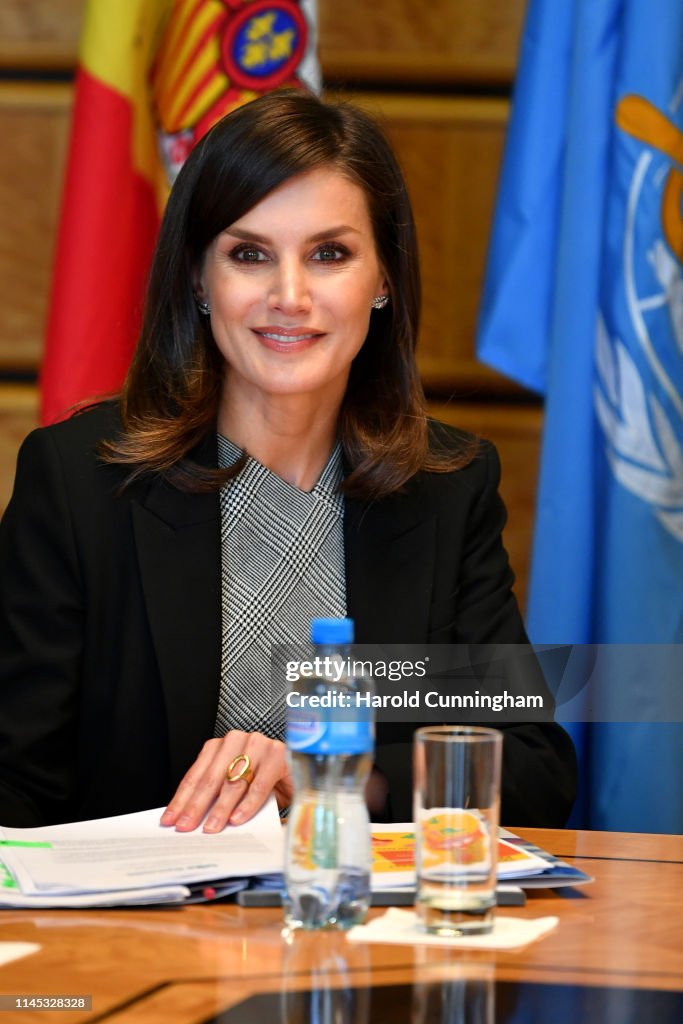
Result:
{"points": [[153, 77]]}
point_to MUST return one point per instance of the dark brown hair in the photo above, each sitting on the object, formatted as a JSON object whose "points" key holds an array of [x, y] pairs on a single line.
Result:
{"points": [[170, 399]]}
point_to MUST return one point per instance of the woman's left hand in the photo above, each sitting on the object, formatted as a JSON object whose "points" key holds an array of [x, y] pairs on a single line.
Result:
{"points": [[205, 787]]}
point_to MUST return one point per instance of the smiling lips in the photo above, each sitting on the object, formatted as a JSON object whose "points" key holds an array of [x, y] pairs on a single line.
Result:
{"points": [[287, 339]]}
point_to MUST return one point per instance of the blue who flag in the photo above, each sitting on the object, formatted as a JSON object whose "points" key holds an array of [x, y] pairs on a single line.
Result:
{"points": [[583, 302]]}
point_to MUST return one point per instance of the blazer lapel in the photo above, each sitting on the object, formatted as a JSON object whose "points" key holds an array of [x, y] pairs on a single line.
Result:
{"points": [[178, 544], [389, 549]]}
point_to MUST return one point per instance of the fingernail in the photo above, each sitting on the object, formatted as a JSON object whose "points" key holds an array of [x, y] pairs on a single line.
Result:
{"points": [[212, 825], [237, 818], [183, 822], [166, 815]]}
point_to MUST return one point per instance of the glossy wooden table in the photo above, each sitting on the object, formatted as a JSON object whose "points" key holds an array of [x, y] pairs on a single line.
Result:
{"points": [[189, 964]]}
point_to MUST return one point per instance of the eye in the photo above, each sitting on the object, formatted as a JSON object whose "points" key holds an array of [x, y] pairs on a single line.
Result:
{"points": [[330, 252], [247, 254]]}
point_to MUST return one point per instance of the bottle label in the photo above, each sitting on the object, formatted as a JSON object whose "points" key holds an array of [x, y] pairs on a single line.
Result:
{"points": [[322, 733]]}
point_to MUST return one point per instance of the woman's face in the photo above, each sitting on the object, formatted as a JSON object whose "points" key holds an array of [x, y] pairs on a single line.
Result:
{"points": [[290, 285]]}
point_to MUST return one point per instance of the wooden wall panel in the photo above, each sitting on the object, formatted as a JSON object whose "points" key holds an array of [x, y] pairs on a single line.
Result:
{"points": [[18, 416], [450, 150], [516, 432], [445, 41], [40, 33], [34, 127], [407, 41]]}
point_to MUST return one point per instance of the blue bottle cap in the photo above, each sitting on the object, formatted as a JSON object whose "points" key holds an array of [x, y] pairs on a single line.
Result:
{"points": [[332, 631]]}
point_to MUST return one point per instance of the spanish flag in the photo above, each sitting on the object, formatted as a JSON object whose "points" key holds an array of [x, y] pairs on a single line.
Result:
{"points": [[153, 77]]}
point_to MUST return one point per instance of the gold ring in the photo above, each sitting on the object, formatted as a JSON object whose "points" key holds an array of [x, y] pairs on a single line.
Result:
{"points": [[246, 772]]}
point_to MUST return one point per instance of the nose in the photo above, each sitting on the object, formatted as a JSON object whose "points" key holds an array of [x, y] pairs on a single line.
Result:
{"points": [[290, 287]]}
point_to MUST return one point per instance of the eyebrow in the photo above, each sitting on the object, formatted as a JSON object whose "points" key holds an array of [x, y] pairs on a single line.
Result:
{"points": [[319, 236]]}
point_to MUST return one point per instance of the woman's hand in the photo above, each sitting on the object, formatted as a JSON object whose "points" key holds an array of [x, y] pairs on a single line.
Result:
{"points": [[205, 786]]}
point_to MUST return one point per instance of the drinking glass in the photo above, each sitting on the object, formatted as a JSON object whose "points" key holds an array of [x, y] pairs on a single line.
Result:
{"points": [[456, 808]]}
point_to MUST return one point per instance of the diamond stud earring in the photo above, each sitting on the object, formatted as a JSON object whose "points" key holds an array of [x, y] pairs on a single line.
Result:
{"points": [[203, 307], [379, 301]]}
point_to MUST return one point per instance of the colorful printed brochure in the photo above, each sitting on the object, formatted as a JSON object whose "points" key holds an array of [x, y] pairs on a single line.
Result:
{"points": [[394, 856]]}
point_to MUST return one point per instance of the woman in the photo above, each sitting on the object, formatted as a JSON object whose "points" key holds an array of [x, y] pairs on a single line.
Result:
{"points": [[149, 562]]}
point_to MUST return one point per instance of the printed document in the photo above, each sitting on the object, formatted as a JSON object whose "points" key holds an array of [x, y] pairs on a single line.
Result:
{"points": [[134, 850]]}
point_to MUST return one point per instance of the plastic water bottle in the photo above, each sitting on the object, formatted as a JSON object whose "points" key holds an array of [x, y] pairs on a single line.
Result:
{"points": [[330, 736]]}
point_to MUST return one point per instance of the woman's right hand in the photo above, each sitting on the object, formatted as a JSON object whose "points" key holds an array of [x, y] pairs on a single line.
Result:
{"points": [[205, 792]]}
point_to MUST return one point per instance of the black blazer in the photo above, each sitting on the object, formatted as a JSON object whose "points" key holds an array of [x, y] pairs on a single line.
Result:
{"points": [[110, 625]]}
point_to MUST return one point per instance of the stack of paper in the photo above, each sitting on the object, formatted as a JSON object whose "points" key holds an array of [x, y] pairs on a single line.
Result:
{"points": [[132, 860]]}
